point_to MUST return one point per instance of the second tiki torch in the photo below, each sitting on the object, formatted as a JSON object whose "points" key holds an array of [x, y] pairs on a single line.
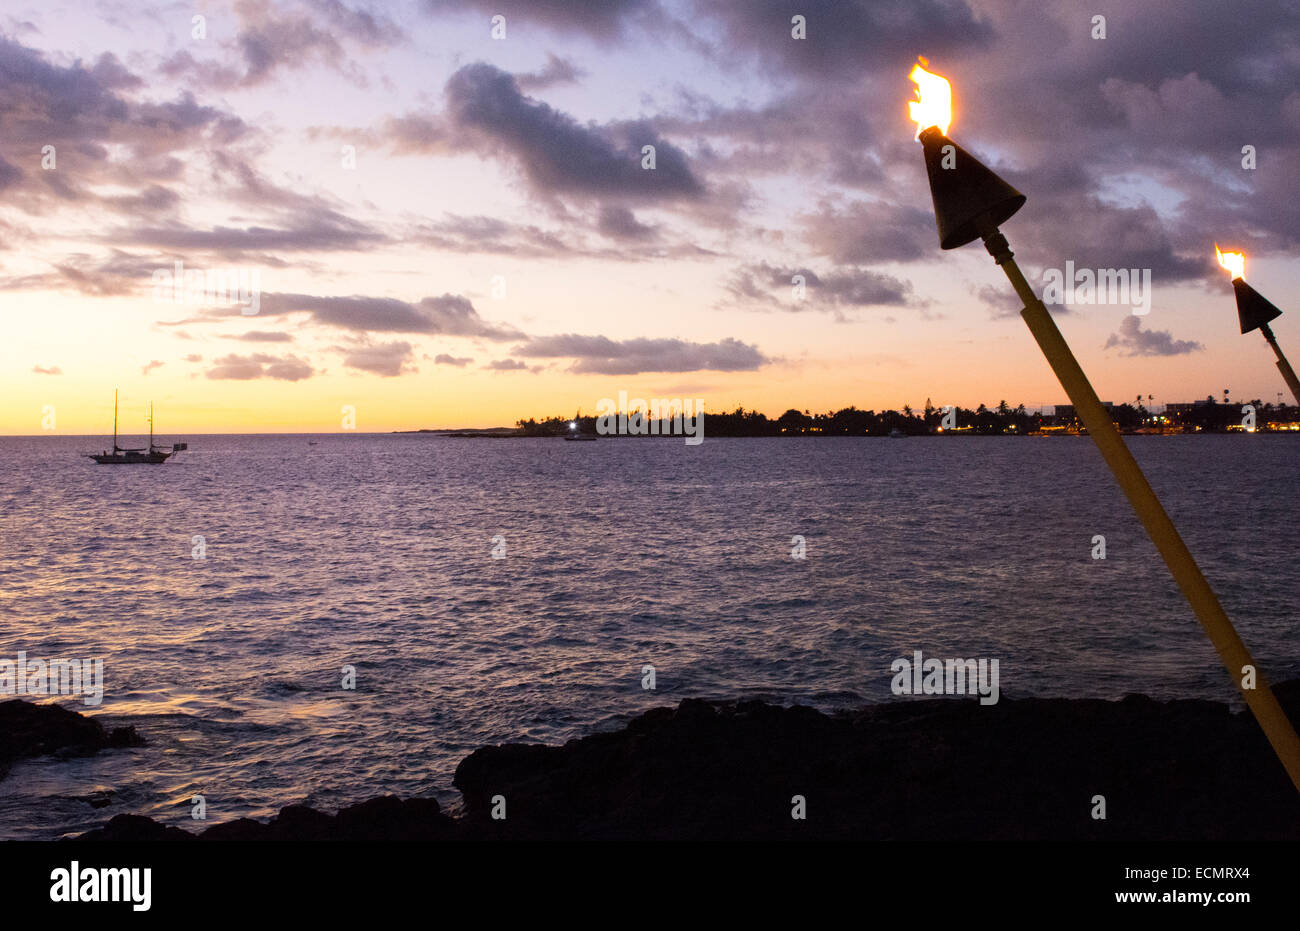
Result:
{"points": [[971, 202], [1254, 312]]}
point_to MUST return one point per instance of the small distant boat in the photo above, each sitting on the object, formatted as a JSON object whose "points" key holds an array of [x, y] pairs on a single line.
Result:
{"points": [[154, 455], [896, 434]]}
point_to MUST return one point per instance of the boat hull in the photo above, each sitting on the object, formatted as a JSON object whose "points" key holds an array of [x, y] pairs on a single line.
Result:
{"points": [[131, 458]]}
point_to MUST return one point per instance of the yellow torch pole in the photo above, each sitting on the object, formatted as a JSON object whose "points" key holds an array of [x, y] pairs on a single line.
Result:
{"points": [[1283, 366], [1260, 699]]}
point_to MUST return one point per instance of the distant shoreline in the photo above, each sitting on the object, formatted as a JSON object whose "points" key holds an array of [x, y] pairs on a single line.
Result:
{"points": [[516, 435], [512, 433]]}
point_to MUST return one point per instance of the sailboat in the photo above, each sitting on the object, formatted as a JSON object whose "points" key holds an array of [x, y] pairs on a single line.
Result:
{"points": [[154, 455]]}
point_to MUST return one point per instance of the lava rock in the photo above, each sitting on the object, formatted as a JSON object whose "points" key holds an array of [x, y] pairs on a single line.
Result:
{"points": [[30, 730], [929, 769], [924, 769]]}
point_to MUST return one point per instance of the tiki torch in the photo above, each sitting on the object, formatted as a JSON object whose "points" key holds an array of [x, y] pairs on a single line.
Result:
{"points": [[971, 202], [1254, 312]]}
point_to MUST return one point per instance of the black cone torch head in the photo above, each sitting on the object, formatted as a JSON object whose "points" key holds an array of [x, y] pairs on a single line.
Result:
{"points": [[1253, 309], [968, 198]]}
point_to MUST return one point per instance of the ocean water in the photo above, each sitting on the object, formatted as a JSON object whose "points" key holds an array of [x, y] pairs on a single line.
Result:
{"points": [[376, 552]]}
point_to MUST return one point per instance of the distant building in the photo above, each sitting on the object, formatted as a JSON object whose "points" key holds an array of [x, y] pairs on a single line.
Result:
{"points": [[1065, 413]]}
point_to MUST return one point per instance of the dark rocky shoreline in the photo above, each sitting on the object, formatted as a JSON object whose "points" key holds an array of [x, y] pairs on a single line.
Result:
{"points": [[28, 730], [931, 769]]}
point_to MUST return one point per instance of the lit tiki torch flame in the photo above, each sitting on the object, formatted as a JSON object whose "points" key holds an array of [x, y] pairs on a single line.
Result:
{"points": [[933, 103], [971, 202], [1254, 311], [1234, 262]]}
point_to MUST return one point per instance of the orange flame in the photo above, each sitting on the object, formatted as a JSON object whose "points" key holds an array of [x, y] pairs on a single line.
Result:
{"points": [[933, 103], [1234, 262]]}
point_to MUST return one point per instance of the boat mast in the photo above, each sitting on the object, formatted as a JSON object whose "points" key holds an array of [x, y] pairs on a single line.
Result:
{"points": [[114, 420]]}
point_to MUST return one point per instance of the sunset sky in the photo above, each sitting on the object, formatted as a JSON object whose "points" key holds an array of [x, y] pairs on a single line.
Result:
{"points": [[519, 160]]}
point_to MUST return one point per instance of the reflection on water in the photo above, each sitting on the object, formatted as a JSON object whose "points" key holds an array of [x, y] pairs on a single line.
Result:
{"points": [[376, 552]]}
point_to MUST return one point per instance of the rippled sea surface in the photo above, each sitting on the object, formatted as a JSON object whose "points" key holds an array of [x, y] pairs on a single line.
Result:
{"points": [[377, 552]]}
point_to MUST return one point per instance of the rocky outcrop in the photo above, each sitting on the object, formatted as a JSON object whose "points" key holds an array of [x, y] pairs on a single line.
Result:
{"points": [[924, 770], [28, 730], [932, 769]]}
